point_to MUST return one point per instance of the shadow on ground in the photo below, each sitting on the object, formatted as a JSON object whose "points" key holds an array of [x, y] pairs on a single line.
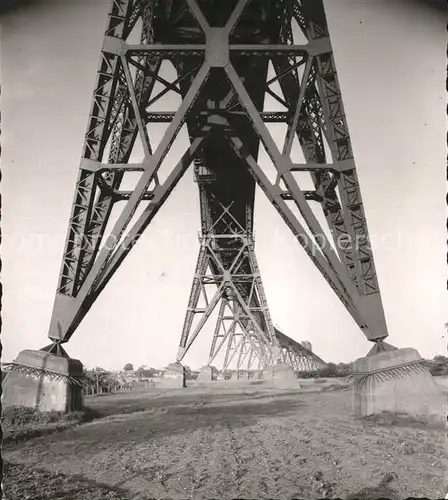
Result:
{"points": [[179, 410], [162, 420], [227, 443], [124, 403]]}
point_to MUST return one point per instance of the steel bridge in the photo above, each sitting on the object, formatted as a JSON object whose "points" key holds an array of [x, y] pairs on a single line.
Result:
{"points": [[242, 356], [230, 58]]}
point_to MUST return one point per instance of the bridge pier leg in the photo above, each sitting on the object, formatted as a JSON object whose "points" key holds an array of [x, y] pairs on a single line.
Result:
{"points": [[174, 377], [206, 375], [44, 381], [282, 376], [395, 380]]}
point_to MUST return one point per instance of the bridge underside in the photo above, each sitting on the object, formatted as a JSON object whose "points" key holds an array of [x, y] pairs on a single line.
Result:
{"points": [[229, 58]]}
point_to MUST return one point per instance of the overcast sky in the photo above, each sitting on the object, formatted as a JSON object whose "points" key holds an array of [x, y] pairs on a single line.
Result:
{"points": [[391, 62]]}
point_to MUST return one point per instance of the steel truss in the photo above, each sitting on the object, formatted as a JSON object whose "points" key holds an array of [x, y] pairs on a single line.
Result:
{"points": [[240, 350], [228, 262], [300, 357], [222, 52]]}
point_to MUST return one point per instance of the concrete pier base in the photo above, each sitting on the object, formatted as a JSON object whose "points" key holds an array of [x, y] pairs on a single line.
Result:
{"points": [[173, 377], [282, 376], [238, 375], [396, 381], [207, 374], [44, 381]]}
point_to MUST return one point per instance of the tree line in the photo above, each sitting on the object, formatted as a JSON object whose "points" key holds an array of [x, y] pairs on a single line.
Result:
{"points": [[104, 381], [438, 366]]}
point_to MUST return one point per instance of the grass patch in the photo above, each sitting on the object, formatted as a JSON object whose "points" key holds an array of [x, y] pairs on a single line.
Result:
{"points": [[336, 387], [20, 423], [397, 419]]}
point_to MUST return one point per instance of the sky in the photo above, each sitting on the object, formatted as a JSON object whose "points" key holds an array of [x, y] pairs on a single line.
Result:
{"points": [[390, 58]]}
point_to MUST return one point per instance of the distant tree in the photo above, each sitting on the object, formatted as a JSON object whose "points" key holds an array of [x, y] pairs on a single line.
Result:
{"points": [[344, 369], [308, 374], [128, 367], [331, 370], [440, 359], [101, 380], [438, 366], [335, 370], [144, 372]]}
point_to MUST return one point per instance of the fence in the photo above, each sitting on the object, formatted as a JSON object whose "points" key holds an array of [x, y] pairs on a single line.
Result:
{"points": [[101, 387]]}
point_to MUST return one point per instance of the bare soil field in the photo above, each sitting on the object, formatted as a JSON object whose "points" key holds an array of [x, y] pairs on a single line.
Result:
{"points": [[229, 440]]}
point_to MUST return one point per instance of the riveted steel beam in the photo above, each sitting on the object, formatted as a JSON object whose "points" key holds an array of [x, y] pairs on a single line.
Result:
{"points": [[222, 64]]}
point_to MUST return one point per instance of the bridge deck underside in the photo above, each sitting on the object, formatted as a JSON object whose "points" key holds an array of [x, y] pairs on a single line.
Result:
{"points": [[226, 188], [222, 77]]}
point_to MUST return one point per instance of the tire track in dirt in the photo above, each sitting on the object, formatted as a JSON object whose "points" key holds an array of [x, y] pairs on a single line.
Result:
{"points": [[223, 464], [183, 463], [256, 475], [224, 467], [394, 449], [341, 446], [315, 466], [287, 459], [206, 454], [284, 452], [240, 459], [335, 450], [302, 452], [260, 461], [198, 445], [171, 470], [221, 468]]}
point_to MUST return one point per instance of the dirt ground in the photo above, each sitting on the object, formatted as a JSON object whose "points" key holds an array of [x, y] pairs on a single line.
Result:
{"points": [[239, 440]]}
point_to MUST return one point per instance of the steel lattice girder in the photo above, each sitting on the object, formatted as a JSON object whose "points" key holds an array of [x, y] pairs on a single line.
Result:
{"points": [[228, 262], [221, 69], [241, 348], [298, 355]]}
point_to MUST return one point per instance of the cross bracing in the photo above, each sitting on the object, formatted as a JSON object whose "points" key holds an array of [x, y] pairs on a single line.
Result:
{"points": [[230, 57]]}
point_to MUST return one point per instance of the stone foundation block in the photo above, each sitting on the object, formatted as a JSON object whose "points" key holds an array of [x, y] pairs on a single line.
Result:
{"points": [[243, 375], [45, 382], [396, 381], [282, 375], [173, 377], [207, 374]]}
